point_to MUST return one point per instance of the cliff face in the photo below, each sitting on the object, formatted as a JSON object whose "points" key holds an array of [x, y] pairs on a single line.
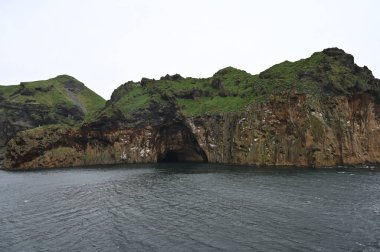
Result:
{"points": [[288, 130], [321, 111]]}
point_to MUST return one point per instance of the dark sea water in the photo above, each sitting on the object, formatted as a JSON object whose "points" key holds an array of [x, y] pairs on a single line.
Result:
{"points": [[190, 207]]}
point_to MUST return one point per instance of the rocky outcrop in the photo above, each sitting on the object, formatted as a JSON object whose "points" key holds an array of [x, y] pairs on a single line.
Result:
{"points": [[321, 111]]}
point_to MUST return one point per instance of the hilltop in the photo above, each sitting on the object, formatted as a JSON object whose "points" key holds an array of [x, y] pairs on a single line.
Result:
{"points": [[149, 101], [60, 100]]}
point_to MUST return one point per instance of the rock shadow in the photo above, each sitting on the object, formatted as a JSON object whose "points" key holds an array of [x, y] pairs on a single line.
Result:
{"points": [[176, 143]]}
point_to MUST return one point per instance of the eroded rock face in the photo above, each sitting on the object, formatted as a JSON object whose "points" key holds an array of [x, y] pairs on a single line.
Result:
{"points": [[287, 130], [294, 130]]}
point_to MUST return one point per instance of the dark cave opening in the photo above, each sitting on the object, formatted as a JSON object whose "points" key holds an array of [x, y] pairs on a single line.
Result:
{"points": [[189, 155], [176, 143], [170, 157]]}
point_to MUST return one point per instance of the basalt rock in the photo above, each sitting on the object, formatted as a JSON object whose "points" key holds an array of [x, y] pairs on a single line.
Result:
{"points": [[319, 111]]}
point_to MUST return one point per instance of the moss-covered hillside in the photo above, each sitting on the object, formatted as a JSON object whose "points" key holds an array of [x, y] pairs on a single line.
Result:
{"points": [[330, 72], [60, 100]]}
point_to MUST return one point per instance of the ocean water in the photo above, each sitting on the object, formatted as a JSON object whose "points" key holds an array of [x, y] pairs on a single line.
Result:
{"points": [[190, 207]]}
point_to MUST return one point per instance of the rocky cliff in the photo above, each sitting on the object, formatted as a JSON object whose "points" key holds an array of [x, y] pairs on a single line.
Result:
{"points": [[319, 111], [60, 100]]}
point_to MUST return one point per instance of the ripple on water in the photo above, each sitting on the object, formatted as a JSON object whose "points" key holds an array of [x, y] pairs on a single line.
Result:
{"points": [[188, 207]]}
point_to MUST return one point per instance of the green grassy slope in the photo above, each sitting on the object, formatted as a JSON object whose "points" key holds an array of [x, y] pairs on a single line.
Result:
{"points": [[330, 72], [63, 97]]}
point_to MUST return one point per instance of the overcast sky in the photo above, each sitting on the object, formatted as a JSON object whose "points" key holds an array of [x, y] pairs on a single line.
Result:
{"points": [[105, 43]]}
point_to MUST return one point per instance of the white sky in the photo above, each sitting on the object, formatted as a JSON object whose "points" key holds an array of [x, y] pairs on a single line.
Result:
{"points": [[105, 43]]}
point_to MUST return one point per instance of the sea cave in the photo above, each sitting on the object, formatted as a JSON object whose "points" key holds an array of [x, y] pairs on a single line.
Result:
{"points": [[176, 143]]}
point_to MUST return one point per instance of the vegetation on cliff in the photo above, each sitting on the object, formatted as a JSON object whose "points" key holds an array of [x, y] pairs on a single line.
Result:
{"points": [[326, 73]]}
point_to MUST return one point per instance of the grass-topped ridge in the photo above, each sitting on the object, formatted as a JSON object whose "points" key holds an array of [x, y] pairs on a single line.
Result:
{"points": [[329, 72], [63, 99]]}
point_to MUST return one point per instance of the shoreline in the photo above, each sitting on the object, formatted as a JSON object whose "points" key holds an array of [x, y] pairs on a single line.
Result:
{"points": [[368, 166]]}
